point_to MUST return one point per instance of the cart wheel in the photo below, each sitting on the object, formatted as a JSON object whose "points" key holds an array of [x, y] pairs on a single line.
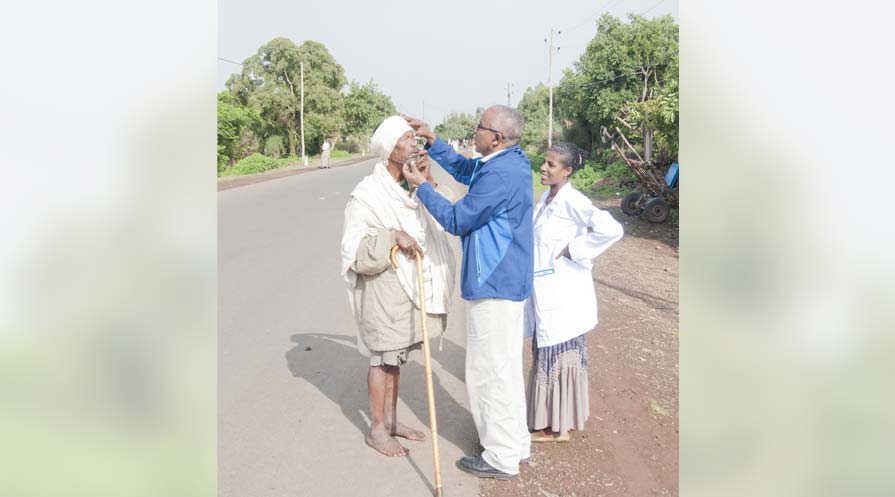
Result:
{"points": [[629, 203], [655, 210]]}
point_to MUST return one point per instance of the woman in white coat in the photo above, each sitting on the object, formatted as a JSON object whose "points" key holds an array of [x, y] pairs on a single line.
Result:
{"points": [[569, 231]]}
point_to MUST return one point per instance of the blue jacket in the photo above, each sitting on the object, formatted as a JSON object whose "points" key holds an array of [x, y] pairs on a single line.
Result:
{"points": [[494, 221]]}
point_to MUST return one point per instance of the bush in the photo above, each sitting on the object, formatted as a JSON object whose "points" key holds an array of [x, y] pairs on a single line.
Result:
{"points": [[255, 163], [223, 158], [338, 154], [584, 178], [249, 143], [537, 160], [604, 156], [292, 159], [617, 170], [350, 146], [274, 147]]}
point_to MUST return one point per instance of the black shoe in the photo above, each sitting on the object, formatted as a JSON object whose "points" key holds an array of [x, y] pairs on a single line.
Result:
{"points": [[479, 467]]}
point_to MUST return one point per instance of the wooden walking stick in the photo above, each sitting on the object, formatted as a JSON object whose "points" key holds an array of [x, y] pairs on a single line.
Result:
{"points": [[433, 423]]}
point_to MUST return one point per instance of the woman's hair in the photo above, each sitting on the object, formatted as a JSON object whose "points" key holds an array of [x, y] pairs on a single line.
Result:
{"points": [[570, 155]]}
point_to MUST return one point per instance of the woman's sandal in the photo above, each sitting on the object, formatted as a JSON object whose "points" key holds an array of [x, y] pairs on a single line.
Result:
{"points": [[542, 437]]}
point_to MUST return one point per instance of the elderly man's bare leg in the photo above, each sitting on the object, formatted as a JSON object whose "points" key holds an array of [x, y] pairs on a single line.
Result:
{"points": [[381, 389], [391, 412]]}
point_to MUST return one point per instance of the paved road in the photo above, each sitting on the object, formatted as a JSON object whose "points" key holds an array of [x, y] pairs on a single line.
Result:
{"points": [[292, 420]]}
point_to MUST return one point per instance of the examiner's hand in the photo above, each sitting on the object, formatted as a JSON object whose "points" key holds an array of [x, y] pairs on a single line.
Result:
{"points": [[423, 164], [413, 175], [421, 128]]}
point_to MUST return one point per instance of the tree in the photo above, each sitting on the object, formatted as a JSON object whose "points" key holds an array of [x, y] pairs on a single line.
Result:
{"points": [[457, 126], [365, 107], [324, 81], [535, 107], [270, 84], [622, 68], [236, 126], [660, 115]]}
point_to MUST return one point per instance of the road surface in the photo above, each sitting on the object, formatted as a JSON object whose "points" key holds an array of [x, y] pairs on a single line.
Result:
{"points": [[292, 402]]}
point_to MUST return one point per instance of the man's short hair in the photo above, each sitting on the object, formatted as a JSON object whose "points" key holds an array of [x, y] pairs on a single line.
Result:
{"points": [[509, 122]]}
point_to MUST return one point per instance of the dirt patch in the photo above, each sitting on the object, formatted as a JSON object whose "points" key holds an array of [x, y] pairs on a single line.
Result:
{"points": [[630, 444]]}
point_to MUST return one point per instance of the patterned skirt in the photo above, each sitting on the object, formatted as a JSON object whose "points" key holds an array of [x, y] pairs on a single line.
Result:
{"points": [[556, 396]]}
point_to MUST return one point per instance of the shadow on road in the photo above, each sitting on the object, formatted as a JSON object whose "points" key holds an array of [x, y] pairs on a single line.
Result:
{"points": [[333, 360], [452, 358], [651, 300]]}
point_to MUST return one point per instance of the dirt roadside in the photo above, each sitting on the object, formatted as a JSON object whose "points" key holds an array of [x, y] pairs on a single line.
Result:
{"points": [[630, 445]]}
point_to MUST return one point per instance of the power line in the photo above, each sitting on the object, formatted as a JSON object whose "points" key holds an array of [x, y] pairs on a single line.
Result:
{"points": [[595, 16], [230, 61], [645, 12], [605, 8], [594, 83]]}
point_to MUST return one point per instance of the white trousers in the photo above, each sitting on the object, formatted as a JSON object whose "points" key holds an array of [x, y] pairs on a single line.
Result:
{"points": [[494, 381]]}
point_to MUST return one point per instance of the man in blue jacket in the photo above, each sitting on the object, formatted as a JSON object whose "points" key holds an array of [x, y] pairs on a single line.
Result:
{"points": [[494, 221]]}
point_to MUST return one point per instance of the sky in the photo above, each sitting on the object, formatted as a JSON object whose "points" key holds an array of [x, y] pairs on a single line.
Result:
{"points": [[431, 59]]}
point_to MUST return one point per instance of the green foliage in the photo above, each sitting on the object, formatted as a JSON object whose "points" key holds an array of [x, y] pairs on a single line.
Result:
{"points": [[584, 178], [537, 160], [365, 107], [352, 146], [660, 114], [274, 147], [261, 111], [338, 154], [236, 127], [537, 187], [457, 126], [624, 68], [270, 84], [535, 110], [255, 163], [617, 170]]}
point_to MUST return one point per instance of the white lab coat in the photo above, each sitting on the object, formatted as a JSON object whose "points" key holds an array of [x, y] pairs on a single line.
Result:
{"points": [[563, 303]]}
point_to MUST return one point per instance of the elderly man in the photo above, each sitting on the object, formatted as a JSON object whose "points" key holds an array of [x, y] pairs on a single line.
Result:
{"points": [[383, 212], [494, 220]]}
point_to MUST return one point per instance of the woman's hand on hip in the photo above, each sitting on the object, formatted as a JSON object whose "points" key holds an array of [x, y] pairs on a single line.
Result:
{"points": [[565, 253]]}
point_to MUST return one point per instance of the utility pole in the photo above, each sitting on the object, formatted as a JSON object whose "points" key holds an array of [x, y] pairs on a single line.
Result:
{"points": [[423, 117], [303, 156], [550, 86], [508, 94]]}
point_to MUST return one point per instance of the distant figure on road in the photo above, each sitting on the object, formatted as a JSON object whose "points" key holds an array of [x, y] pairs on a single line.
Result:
{"points": [[569, 232], [495, 223], [325, 155], [383, 211]]}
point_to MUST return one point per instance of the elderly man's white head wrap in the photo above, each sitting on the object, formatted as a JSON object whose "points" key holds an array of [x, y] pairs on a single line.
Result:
{"points": [[387, 135]]}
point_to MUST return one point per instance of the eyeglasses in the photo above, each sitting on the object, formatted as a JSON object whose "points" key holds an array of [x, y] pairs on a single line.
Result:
{"points": [[479, 126]]}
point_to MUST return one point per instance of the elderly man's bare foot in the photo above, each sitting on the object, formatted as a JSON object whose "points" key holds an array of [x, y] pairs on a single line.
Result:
{"points": [[385, 444], [408, 433]]}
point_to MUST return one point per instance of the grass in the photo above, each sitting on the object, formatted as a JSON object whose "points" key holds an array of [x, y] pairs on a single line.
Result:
{"points": [[537, 187], [258, 163]]}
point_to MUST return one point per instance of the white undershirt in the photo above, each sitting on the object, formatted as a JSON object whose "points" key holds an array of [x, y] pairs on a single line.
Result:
{"points": [[493, 155]]}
